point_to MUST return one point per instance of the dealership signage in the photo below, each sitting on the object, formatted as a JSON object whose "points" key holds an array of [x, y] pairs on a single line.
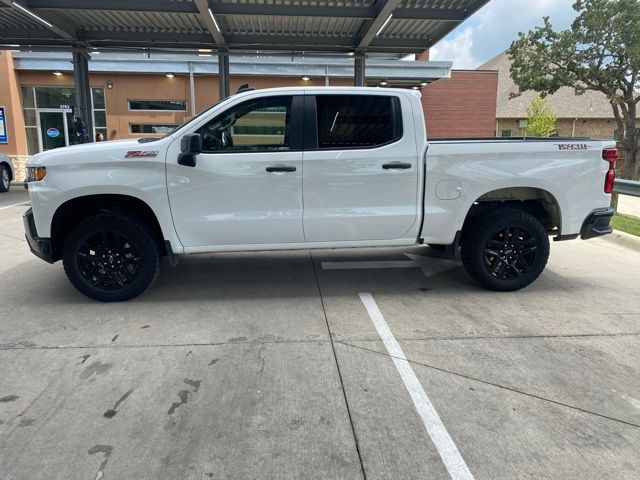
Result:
{"points": [[3, 127]]}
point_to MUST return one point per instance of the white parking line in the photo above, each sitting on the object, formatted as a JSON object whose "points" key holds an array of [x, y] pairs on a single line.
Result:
{"points": [[14, 205], [451, 457]]}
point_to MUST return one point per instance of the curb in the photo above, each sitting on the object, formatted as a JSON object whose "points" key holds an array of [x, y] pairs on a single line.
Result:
{"points": [[623, 239]]}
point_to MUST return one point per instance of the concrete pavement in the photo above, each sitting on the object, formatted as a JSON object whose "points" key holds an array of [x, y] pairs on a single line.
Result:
{"points": [[267, 365], [629, 205]]}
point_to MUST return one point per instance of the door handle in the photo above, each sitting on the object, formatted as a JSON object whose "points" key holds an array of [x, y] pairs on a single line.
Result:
{"points": [[280, 169], [396, 166]]}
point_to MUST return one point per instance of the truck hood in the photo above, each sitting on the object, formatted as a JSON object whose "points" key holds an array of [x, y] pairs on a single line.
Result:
{"points": [[113, 150]]}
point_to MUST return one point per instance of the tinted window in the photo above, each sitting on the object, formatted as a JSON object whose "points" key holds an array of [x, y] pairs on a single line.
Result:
{"points": [[255, 125], [149, 128], [170, 105], [346, 121]]}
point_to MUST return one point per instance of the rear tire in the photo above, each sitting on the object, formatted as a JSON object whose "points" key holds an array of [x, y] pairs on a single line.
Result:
{"points": [[111, 258], [5, 179], [506, 250]]}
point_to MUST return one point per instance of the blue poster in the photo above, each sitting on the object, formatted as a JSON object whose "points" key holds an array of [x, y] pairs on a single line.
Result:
{"points": [[3, 127]]}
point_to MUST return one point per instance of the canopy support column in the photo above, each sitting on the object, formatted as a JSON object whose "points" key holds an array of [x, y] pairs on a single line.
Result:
{"points": [[83, 95]]}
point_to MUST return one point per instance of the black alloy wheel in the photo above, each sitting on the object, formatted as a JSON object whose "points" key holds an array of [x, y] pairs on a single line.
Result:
{"points": [[109, 260], [504, 250], [510, 252], [110, 257]]}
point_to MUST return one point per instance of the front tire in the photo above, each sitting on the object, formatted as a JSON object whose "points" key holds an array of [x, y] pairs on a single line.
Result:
{"points": [[111, 258], [506, 250], [5, 179]]}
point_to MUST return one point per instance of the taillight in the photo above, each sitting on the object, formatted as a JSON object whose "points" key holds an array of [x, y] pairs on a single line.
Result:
{"points": [[610, 155]]}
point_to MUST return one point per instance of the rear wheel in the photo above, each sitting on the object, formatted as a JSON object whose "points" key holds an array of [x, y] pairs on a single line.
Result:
{"points": [[506, 250], [5, 178], [111, 258]]}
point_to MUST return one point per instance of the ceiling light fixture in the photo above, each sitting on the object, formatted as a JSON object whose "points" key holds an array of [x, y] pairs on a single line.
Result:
{"points": [[214, 19], [384, 83], [57, 73], [384, 24], [306, 78], [169, 75], [415, 87], [423, 84], [31, 14]]}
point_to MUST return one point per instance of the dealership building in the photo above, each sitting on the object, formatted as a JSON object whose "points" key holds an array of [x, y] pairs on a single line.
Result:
{"points": [[142, 95], [76, 70]]}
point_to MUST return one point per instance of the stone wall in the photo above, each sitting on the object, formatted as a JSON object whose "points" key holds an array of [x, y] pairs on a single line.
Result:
{"points": [[19, 163]]}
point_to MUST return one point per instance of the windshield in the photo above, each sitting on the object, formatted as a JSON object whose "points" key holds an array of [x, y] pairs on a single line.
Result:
{"points": [[193, 119]]}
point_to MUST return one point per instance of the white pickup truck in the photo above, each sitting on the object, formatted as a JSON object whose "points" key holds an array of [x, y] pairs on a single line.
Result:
{"points": [[311, 168]]}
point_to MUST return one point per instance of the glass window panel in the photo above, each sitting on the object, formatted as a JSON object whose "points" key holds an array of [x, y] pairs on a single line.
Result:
{"points": [[100, 118], [171, 105], [356, 121], [155, 129], [254, 125], [98, 97], [32, 141], [53, 97], [27, 97], [30, 118]]}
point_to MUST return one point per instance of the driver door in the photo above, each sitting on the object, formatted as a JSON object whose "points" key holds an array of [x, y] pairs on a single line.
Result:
{"points": [[246, 186]]}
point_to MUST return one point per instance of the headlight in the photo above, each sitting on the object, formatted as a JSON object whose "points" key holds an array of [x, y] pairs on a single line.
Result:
{"points": [[35, 174]]}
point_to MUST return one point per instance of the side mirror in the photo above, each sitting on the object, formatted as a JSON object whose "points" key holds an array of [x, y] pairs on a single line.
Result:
{"points": [[190, 147]]}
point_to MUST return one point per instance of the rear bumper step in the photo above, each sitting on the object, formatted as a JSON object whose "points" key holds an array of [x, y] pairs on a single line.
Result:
{"points": [[597, 223]]}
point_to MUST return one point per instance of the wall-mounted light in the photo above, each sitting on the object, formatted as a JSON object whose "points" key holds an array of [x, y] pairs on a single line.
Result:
{"points": [[57, 73], [306, 78], [109, 84], [169, 75], [384, 83]]}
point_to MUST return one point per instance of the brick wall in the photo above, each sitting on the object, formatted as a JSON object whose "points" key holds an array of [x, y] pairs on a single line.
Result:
{"points": [[463, 105]]}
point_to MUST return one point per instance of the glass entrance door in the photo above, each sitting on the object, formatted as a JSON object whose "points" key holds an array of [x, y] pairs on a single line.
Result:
{"points": [[56, 128], [52, 130]]}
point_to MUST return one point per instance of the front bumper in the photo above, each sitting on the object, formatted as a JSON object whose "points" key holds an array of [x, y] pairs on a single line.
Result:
{"points": [[597, 223], [40, 247]]}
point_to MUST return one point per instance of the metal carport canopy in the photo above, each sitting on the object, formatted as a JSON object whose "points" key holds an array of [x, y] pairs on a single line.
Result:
{"points": [[396, 27]]}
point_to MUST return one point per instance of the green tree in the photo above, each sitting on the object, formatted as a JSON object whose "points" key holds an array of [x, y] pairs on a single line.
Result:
{"points": [[541, 122], [601, 52]]}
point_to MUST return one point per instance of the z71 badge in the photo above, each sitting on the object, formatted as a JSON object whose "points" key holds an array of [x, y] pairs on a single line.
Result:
{"points": [[141, 153]]}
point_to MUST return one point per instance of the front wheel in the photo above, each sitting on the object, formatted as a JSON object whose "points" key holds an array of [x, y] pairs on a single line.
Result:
{"points": [[111, 258], [506, 250], [5, 178]]}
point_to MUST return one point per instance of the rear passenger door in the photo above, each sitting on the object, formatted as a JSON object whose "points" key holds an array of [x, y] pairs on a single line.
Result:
{"points": [[360, 171]]}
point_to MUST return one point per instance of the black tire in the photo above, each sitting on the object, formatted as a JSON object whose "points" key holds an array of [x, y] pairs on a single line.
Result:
{"points": [[111, 258], [506, 265], [5, 178]]}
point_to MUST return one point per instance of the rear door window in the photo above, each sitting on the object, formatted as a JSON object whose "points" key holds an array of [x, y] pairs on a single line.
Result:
{"points": [[357, 121]]}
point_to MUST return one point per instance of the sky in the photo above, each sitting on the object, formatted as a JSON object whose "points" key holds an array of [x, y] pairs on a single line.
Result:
{"points": [[491, 29]]}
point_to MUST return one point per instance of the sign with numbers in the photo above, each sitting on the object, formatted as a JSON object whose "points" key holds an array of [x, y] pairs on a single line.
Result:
{"points": [[3, 127]]}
